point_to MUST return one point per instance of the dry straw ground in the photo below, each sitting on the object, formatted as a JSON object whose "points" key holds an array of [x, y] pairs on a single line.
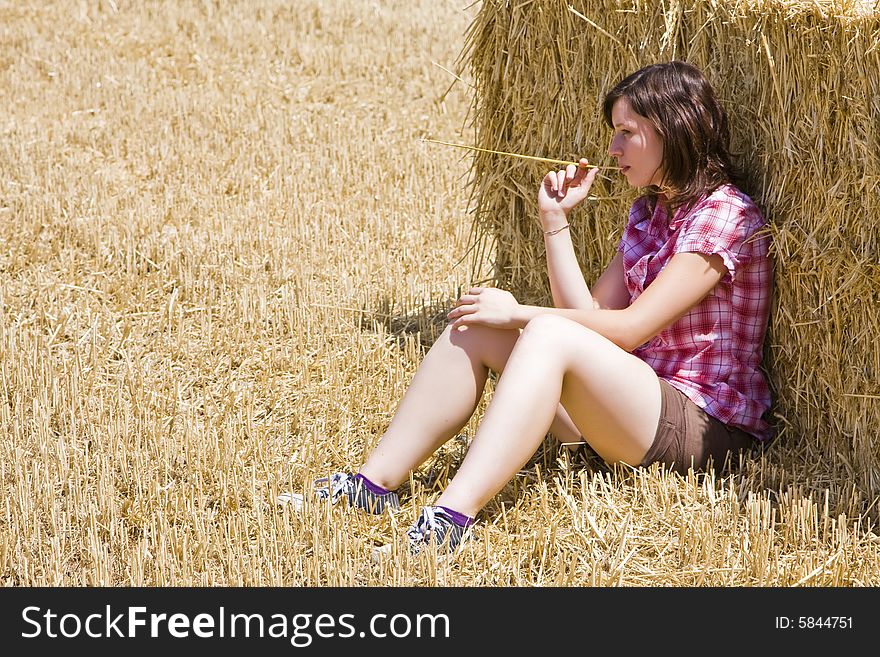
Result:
{"points": [[223, 252]]}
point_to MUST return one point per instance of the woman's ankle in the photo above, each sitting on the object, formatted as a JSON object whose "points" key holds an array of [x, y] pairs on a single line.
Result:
{"points": [[372, 486], [460, 519], [375, 483]]}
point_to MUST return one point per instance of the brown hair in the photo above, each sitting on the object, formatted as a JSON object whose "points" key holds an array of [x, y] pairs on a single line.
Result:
{"points": [[679, 101]]}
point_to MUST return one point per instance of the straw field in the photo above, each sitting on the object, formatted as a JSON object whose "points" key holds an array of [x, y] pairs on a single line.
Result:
{"points": [[224, 251]]}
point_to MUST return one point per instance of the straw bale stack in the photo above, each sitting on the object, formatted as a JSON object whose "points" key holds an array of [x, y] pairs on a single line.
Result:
{"points": [[801, 82]]}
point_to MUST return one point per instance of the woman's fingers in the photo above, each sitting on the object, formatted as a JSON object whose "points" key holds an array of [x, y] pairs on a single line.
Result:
{"points": [[465, 304], [457, 315], [470, 297], [557, 183], [583, 176], [591, 175], [562, 179]]}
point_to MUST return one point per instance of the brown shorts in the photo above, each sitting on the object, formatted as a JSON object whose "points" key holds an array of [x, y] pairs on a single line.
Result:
{"points": [[688, 436]]}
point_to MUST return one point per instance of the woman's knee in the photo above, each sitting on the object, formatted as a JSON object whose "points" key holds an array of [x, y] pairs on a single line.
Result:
{"points": [[552, 329], [490, 346], [562, 341]]}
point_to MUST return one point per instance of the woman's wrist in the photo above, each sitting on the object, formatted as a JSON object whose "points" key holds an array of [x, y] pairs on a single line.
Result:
{"points": [[523, 314], [552, 219]]}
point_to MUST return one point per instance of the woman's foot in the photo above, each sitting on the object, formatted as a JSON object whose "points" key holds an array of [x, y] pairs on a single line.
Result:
{"points": [[360, 492]]}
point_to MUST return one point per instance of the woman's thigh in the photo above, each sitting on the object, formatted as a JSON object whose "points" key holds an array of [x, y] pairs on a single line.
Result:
{"points": [[611, 396], [492, 347]]}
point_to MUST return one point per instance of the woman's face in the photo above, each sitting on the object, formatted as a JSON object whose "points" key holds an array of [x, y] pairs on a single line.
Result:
{"points": [[637, 146]]}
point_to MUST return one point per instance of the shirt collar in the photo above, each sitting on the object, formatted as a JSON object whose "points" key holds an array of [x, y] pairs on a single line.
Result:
{"points": [[641, 216], [678, 218]]}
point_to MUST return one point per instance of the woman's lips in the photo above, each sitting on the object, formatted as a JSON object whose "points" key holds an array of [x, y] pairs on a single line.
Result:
{"points": [[624, 169]]}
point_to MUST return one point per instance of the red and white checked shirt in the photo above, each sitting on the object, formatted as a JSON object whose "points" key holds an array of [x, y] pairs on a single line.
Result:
{"points": [[713, 353]]}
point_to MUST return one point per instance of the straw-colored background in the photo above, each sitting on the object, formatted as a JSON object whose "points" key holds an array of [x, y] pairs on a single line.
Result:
{"points": [[224, 250]]}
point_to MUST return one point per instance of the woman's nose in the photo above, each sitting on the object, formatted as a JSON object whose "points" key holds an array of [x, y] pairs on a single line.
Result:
{"points": [[614, 148]]}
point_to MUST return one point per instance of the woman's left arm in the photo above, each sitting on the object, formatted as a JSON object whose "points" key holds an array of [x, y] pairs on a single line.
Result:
{"points": [[683, 283], [685, 280]]}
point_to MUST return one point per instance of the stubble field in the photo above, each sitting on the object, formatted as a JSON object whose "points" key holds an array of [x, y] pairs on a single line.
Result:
{"points": [[224, 250]]}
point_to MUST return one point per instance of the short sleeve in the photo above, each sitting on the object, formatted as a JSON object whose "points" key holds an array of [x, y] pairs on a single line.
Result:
{"points": [[722, 225]]}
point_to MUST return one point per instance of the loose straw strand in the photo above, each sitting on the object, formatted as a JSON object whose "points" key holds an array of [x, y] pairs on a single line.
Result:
{"points": [[455, 75], [525, 157]]}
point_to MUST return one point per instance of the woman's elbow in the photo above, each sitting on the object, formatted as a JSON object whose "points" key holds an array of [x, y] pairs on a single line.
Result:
{"points": [[627, 343], [631, 336]]}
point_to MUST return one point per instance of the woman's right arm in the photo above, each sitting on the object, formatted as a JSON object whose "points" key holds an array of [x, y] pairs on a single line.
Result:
{"points": [[561, 191], [567, 284]]}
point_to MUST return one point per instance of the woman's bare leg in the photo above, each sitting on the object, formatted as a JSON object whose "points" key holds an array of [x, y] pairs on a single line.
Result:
{"points": [[440, 400], [612, 396]]}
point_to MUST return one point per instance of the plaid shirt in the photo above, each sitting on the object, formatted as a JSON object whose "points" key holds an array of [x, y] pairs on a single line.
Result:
{"points": [[713, 353]]}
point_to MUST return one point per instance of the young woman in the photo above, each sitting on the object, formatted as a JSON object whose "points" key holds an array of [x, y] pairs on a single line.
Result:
{"points": [[658, 361]]}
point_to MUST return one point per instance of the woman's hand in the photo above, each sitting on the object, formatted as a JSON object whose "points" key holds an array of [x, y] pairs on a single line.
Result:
{"points": [[564, 189], [488, 306]]}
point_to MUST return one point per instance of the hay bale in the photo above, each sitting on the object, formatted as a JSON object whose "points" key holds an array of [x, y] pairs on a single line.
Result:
{"points": [[801, 83]]}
